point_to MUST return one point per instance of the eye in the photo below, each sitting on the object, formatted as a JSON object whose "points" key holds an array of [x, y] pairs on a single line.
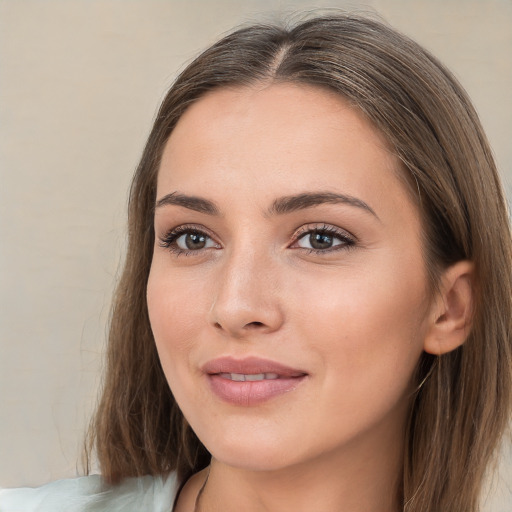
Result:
{"points": [[193, 241], [324, 239], [186, 240]]}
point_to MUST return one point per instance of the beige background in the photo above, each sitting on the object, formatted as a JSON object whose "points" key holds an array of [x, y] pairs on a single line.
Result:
{"points": [[79, 85]]}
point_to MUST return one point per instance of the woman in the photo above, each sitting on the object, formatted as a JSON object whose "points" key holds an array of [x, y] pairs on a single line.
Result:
{"points": [[315, 310]]}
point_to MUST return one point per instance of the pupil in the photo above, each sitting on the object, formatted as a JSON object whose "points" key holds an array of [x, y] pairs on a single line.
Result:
{"points": [[320, 241], [195, 241]]}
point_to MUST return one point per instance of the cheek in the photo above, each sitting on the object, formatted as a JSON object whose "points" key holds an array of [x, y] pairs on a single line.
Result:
{"points": [[368, 342], [174, 308], [367, 326]]}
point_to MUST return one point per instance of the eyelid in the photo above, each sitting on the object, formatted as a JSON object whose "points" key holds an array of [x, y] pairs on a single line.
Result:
{"points": [[322, 227], [170, 236], [342, 234], [168, 240]]}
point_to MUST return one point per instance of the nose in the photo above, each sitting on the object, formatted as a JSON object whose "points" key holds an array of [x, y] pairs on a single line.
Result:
{"points": [[246, 298]]}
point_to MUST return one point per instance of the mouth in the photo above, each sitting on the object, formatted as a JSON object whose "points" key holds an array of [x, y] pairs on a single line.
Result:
{"points": [[251, 377], [251, 381]]}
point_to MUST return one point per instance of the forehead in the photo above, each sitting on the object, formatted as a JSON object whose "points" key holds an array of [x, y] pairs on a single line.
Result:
{"points": [[292, 111], [277, 139]]}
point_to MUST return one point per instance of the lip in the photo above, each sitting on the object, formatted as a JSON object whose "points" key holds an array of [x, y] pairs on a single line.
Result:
{"points": [[253, 392], [250, 365]]}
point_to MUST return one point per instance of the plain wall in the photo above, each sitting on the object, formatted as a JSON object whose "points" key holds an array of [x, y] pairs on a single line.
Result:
{"points": [[79, 85]]}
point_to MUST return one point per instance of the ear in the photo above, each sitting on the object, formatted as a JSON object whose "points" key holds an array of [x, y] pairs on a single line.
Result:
{"points": [[452, 310]]}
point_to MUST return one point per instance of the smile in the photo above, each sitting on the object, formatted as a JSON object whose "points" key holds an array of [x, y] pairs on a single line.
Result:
{"points": [[250, 381], [241, 377]]}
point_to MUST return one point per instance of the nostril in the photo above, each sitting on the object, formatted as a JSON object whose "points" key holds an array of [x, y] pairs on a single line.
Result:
{"points": [[251, 325], [255, 324]]}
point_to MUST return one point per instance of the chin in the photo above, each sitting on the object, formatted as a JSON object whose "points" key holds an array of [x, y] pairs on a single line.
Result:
{"points": [[252, 454]]}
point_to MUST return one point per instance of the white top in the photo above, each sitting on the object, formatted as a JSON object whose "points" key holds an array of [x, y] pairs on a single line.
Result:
{"points": [[91, 494]]}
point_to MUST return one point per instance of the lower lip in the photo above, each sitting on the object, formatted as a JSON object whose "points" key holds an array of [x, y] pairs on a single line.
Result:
{"points": [[249, 393]]}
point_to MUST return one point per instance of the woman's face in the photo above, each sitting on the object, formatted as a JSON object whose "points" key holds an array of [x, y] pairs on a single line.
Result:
{"points": [[287, 293]]}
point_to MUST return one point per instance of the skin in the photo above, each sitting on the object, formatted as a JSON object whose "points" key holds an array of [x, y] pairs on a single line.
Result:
{"points": [[354, 317]]}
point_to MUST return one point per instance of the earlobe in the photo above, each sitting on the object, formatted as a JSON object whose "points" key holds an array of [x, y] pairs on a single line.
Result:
{"points": [[452, 311]]}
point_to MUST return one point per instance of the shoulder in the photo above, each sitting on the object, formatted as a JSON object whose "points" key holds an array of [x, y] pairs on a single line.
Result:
{"points": [[92, 494]]}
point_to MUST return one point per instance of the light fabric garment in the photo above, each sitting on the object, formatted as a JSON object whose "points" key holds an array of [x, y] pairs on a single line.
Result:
{"points": [[91, 494]]}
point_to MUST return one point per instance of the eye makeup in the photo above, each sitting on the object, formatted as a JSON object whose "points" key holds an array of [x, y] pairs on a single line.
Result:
{"points": [[191, 240]]}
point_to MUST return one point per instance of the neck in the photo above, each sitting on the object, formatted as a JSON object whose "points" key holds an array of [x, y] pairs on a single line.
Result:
{"points": [[362, 477]]}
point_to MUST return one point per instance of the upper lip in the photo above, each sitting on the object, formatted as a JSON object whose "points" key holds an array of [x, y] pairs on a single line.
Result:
{"points": [[250, 365]]}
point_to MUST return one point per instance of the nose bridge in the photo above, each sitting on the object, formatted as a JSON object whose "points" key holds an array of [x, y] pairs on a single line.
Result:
{"points": [[246, 294]]}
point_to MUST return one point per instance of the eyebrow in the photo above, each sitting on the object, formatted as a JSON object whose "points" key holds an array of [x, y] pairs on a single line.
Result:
{"points": [[280, 206], [293, 203], [198, 204]]}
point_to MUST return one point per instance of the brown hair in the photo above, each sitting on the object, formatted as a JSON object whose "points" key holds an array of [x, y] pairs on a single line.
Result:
{"points": [[461, 410]]}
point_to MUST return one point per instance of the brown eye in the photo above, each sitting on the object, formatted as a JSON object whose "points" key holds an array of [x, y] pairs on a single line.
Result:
{"points": [[192, 241], [320, 240], [183, 240], [323, 240]]}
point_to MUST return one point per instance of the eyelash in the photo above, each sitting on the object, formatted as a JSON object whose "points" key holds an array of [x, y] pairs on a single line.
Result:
{"points": [[168, 241], [347, 241]]}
